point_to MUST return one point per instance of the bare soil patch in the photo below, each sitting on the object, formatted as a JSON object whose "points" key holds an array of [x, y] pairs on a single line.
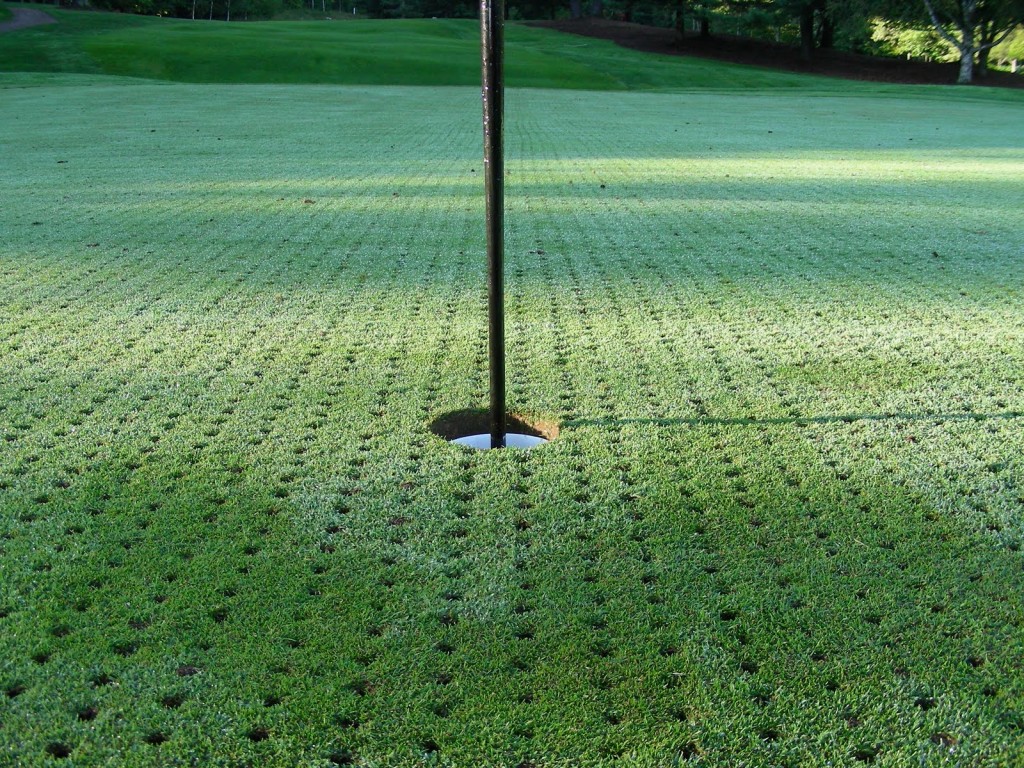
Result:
{"points": [[741, 50], [476, 421]]}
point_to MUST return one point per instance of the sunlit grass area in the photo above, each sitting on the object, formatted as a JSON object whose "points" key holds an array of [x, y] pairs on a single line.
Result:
{"points": [[781, 524]]}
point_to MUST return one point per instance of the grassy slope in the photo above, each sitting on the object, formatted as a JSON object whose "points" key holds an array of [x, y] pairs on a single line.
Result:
{"points": [[413, 52], [782, 525]]}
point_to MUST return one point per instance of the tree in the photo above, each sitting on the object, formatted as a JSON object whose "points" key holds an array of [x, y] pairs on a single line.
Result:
{"points": [[974, 27]]}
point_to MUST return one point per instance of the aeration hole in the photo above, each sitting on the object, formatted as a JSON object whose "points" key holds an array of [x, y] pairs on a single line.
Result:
{"points": [[865, 754], [58, 750], [173, 701]]}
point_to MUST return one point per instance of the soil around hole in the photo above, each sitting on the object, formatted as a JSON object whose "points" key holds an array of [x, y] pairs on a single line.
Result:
{"points": [[477, 421]]}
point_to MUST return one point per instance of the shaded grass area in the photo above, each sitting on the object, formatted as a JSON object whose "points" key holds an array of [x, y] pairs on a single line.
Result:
{"points": [[781, 523]]}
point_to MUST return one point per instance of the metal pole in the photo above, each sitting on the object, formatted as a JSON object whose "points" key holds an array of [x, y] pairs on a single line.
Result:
{"points": [[492, 27]]}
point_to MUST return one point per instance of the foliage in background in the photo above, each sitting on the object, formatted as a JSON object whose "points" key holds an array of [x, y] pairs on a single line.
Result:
{"points": [[973, 28], [898, 39]]}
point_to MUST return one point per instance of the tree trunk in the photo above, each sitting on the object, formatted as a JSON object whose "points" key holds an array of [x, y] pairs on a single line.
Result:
{"points": [[807, 34], [705, 27], [596, 8], [576, 9], [966, 69], [827, 32], [967, 51], [986, 40], [981, 65]]}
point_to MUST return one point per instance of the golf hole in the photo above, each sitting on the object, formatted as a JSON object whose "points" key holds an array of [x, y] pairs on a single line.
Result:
{"points": [[470, 428]]}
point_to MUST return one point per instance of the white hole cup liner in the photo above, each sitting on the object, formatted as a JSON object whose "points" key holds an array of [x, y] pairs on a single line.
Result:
{"points": [[512, 440]]}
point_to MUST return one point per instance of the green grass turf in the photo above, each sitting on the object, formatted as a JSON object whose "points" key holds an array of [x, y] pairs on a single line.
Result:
{"points": [[365, 52], [781, 526]]}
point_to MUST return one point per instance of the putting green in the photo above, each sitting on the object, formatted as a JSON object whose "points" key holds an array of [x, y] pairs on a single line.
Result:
{"points": [[781, 335]]}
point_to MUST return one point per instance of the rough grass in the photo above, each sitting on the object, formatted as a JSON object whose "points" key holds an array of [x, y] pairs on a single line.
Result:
{"points": [[782, 522]]}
